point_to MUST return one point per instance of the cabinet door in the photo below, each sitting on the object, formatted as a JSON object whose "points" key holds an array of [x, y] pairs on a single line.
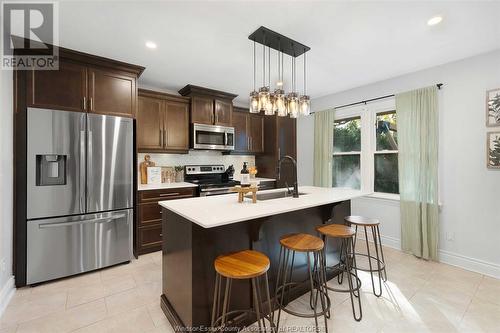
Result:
{"points": [[176, 128], [256, 125], [240, 123], [202, 110], [64, 89], [150, 124], [223, 113], [112, 93], [286, 136]]}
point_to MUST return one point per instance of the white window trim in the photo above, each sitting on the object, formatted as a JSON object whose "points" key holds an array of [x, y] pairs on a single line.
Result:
{"points": [[368, 114]]}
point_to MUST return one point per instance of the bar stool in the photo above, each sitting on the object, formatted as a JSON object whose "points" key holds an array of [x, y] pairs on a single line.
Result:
{"points": [[242, 265], [347, 262], [373, 224], [308, 244]]}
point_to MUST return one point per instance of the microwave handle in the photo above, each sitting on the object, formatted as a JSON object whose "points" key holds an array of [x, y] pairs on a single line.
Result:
{"points": [[225, 138]]}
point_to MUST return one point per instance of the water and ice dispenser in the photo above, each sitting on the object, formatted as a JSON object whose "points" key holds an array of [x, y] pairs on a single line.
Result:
{"points": [[50, 170]]}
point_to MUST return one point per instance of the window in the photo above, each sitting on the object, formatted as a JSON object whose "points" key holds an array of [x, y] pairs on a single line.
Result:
{"points": [[386, 154], [365, 150], [347, 153]]}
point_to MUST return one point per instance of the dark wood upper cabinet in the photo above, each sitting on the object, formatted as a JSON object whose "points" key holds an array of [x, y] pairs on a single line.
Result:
{"points": [[64, 89], [240, 124], [112, 93], [249, 131], [223, 112], [85, 83], [256, 125], [209, 106], [202, 110], [280, 135], [162, 122], [176, 126], [150, 123]]}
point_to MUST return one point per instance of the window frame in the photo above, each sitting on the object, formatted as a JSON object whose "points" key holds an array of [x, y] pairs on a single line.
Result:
{"points": [[368, 113], [354, 152]]}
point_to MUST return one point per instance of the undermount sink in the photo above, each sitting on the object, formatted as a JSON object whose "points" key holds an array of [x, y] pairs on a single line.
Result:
{"points": [[274, 195]]}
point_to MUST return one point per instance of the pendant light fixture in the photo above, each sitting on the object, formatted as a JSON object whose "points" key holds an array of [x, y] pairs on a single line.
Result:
{"points": [[269, 106], [279, 93], [254, 95], [305, 100], [293, 97], [278, 102]]}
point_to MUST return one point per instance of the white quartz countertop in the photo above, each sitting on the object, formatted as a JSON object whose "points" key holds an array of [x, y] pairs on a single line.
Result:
{"points": [[163, 186], [214, 211]]}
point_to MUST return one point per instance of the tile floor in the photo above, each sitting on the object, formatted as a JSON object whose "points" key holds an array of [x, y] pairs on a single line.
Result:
{"points": [[419, 296]]}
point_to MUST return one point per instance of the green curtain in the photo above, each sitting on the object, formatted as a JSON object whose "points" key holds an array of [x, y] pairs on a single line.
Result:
{"points": [[323, 147], [417, 114]]}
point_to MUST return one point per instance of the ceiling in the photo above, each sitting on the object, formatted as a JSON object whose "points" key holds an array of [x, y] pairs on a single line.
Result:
{"points": [[205, 43]]}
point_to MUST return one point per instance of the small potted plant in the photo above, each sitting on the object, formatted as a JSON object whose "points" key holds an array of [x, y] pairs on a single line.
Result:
{"points": [[179, 173]]}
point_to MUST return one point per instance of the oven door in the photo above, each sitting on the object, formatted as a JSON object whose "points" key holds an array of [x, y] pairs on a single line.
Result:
{"points": [[213, 137], [208, 192]]}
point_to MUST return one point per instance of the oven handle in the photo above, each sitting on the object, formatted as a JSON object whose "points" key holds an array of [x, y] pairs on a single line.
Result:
{"points": [[218, 189]]}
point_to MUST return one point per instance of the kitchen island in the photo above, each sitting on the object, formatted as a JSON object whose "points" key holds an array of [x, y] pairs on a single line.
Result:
{"points": [[197, 230]]}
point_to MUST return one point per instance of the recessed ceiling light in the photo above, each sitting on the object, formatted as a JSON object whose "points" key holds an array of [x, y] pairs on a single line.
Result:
{"points": [[151, 45], [434, 20]]}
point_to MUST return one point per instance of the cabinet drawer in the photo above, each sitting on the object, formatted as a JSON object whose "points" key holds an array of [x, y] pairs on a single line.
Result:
{"points": [[267, 185], [160, 195], [150, 238], [149, 213]]}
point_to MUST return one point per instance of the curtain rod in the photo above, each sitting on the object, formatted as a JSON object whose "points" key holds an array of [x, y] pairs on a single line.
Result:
{"points": [[439, 85]]}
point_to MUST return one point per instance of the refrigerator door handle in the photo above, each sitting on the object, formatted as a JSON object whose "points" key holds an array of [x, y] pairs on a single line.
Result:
{"points": [[89, 165], [82, 171], [64, 224]]}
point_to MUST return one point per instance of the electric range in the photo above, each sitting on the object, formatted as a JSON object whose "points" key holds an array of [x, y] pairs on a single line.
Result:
{"points": [[211, 179]]}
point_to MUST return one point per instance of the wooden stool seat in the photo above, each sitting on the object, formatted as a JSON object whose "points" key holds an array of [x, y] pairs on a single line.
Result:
{"points": [[244, 264], [336, 230], [302, 242], [361, 221]]}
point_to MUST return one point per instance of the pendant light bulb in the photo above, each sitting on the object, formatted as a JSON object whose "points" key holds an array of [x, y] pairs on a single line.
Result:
{"points": [[293, 105], [305, 105]]}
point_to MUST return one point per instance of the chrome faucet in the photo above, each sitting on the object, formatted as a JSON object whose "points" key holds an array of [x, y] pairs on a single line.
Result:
{"points": [[278, 173]]}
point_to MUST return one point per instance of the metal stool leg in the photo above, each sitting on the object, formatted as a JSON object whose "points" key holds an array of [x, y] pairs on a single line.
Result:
{"points": [[323, 290], [370, 263], [283, 268], [381, 252], [312, 289], [256, 303], [215, 306], [349, 244], [226, 301], [379, 269], [269, 304]]}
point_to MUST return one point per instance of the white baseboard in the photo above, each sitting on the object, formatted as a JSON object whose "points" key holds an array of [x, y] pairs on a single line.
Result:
{"points": [[470, 264], [6, 294], [447, 257]]}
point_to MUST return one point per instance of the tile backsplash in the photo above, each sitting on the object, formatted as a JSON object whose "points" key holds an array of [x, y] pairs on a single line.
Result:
{"points": [[200, 157]]}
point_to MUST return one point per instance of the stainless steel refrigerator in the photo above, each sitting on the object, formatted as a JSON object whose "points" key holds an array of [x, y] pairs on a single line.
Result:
{"points": [[79, 192]]}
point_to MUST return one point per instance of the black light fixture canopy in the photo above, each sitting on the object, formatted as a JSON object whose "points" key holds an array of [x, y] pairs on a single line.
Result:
{"points": [[278, 42]]}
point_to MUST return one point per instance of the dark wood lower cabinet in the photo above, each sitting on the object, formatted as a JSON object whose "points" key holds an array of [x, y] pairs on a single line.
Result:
{"points": [[149, 216]]}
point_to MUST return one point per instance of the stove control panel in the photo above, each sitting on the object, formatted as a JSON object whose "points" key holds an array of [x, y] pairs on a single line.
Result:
{"points": [[203, 169]]}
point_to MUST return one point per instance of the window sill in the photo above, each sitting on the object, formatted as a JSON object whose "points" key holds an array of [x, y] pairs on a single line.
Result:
{"points": [[385, 196]]}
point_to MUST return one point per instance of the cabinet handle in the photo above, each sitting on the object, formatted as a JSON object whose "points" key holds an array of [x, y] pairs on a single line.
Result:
{"points": [[216, 118], [251, 144], [248, 143], [84, 103], [161, 138], [91, 100], [164, 138], [169, 194]]}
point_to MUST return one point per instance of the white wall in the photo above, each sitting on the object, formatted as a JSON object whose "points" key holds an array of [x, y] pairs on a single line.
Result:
{"points": [[6, 186], [470, 193]]}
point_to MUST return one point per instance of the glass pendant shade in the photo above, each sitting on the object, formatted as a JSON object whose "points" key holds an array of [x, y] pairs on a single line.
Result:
{"points": [[269, 106], [254, 102], [305, 105], [280, 103], [263, 98], [293, 105]]}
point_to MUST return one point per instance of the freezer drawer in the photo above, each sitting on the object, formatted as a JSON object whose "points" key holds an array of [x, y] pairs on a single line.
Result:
{"points": [[65, 246]]}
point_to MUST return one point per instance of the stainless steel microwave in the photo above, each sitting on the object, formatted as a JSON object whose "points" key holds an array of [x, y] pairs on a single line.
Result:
{"points": [[212, 137]]}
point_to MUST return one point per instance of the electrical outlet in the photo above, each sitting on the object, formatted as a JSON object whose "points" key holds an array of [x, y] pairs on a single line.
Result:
{"points": [[450, 236]]}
